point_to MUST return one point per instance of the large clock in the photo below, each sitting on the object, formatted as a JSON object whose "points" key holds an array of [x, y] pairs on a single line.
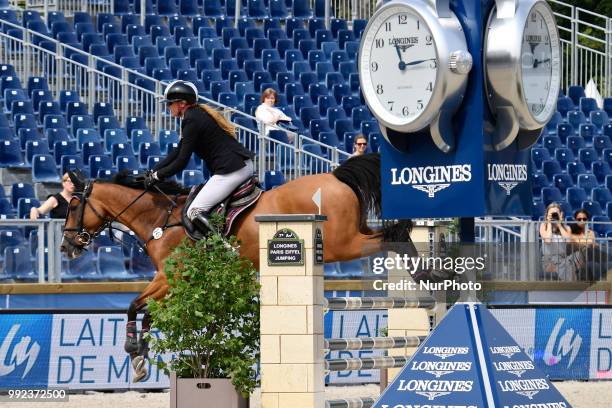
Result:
{"points": [[413, 66], [523, 69]]}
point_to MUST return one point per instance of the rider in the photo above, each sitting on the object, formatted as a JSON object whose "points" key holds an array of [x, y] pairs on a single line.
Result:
{"points": [[211, 137]]}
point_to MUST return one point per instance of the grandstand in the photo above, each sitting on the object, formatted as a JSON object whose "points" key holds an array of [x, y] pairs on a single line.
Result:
{"points": [[79, 89]]}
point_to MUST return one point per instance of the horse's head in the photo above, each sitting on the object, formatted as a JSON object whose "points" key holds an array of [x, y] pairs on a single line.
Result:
{"points": [[83, 221]]}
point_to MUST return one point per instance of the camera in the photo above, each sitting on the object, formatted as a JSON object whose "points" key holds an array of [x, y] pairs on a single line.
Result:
{"points": [[554, 216]]}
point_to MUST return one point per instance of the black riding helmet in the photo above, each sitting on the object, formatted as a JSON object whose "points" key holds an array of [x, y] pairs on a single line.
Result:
{"points": [[181, 91]]}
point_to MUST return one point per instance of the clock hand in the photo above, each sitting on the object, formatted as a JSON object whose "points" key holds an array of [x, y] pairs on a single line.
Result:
{"points": [[419, 61], [538, 62], [402, 64]]}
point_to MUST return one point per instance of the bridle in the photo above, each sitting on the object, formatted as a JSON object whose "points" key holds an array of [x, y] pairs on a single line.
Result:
{"points": [[83, 237]]}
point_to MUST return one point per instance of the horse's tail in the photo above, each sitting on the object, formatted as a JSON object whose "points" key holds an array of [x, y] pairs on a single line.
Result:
{"points": [[362, 175]]}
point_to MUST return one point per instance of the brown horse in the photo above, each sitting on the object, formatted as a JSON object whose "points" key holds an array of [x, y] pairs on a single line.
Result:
{"points": [[347, 195]]}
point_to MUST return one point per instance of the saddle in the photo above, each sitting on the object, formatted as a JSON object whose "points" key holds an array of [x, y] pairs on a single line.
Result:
{"points": [[243, 197]]}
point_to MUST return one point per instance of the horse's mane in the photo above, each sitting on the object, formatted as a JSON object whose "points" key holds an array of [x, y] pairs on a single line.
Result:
{"points": [[126, 179], [362, 175]]}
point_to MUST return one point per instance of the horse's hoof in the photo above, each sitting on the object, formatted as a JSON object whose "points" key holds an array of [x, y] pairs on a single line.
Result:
{"points": [[140, 368]]}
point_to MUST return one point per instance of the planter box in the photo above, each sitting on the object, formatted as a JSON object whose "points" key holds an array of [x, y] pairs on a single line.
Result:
{"points": [[204, 393]]}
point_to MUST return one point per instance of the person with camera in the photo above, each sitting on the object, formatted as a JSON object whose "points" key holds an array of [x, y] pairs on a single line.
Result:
{"points": [[555, 235]]}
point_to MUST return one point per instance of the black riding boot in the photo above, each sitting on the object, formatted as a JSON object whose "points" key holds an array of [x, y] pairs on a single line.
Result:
{"points": [[202, 223]]}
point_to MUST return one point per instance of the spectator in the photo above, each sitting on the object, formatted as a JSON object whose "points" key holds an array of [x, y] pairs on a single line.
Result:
{"points": [[267, 113], [56, 205], [360, 145], [581, 234], [555, 236]]}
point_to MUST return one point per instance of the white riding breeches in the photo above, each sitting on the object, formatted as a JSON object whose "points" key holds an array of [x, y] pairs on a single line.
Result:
{"points": [[217, 188]]}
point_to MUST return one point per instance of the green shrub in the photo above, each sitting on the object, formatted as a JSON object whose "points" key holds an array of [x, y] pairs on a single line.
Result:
{"points": [[210, 317]]}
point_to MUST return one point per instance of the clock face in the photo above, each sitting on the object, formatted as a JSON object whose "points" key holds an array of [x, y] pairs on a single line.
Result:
{"points": [[399, 65], [539, 63]]}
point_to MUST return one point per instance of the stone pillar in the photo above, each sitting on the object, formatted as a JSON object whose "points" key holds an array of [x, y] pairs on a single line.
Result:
{"points": [[292, 299]]}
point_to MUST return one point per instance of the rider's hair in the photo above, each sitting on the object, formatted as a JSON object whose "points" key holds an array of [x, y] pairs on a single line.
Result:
{"points": [[220, 119]]}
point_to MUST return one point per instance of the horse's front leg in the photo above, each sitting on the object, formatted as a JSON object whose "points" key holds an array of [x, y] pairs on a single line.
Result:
{"points": [[135, 345]]}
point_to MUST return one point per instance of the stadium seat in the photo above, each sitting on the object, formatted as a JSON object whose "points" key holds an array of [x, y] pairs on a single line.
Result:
{"points": [[562, 182], [34, 147], [44, 170], [587, 105], [587, 155], [600, 170], [140, 264], [10, 154], [18, 265], [191, 178], [575, 143], [587, 182], [301, 9], [90, 149], [550, 168], [538, 155], [575, 92], [599, 118], [564, 155]]}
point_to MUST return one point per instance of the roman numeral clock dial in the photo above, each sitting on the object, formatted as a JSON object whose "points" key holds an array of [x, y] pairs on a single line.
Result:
{"points": [[413, 66]]}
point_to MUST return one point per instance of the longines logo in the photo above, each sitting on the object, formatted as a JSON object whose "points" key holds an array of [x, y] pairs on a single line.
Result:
{"points": [[507, 176], [507, 351], [407, 42], [440, 368], [513, 367], [445, 352], [431, 179], [434, 388], [527, 388]]}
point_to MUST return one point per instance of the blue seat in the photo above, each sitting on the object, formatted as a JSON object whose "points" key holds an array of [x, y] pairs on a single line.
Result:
{"points": [[166, 137], [41, 96], [538, 155], [189, 8], [564, 105], [81, 268], [98, 162], [191, 178], [81, 122], [67, 96], [257, 9], [587, 155], [587, 182], [575, 92], [85, 135], [10, 154], [551, 142], [593, 207], [114, 136], [575, 196], [24, 136], [538, 182], [21, 107], [10, 237], [301, 8], [140, 263], [599, 118], [148, 149], [24, 205], [550, 168], [75, 108], [64, 148], [602, 195], [551, 195], [139, 136], [17, 264], [562, 182], [91, 149], [587, 105], [72, 162], [34, 147], [126, 162], [600, 170], [44, 170], [166, 8], [564, 155], [565, 130], [576, 118], [111, 264], [212, 8]]}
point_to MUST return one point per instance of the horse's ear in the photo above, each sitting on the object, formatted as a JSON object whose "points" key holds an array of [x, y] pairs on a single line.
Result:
{"points": [[78, 179]]}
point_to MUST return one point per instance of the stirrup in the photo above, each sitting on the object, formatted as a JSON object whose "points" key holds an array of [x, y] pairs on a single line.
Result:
{"points": [[202, 223]]}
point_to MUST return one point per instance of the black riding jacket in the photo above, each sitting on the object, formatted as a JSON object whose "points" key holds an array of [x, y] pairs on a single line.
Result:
{"points": [[200, 134]]}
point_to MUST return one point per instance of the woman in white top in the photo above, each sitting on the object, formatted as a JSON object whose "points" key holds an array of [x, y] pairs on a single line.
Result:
{"points": [[267, 113]]}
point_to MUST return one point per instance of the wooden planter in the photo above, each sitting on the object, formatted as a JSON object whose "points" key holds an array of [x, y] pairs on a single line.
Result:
{"points": [[204, 393]]}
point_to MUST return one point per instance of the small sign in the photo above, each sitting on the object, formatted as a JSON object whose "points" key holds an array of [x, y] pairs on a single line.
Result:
{"points": [[285, 248], [318, 247]]}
